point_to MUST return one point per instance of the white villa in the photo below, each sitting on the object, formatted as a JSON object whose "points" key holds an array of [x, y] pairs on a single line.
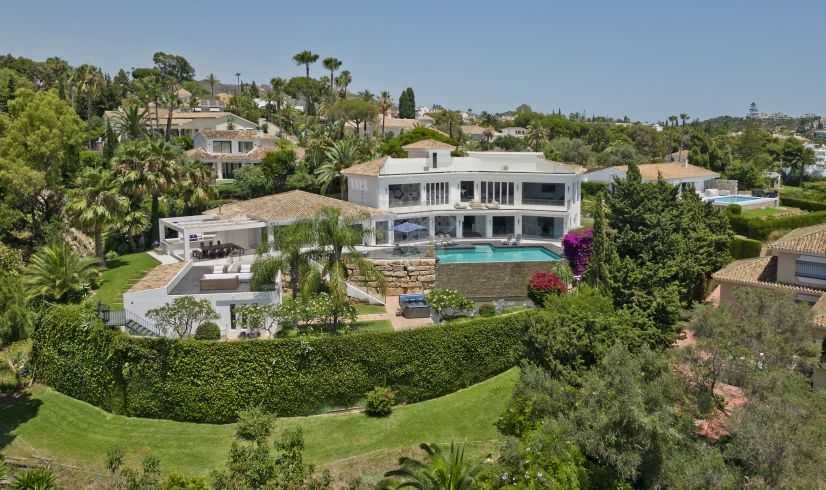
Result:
{"points": [[483, 195], [187, 123], [517, 131], [227, 150], [681, 175]]}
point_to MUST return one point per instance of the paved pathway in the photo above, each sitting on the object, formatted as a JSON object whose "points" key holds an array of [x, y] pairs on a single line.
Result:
{"points": [[400, 322], [163, 258]]}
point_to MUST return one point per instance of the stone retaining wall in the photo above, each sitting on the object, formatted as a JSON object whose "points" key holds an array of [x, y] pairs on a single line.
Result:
{"points": [[489, 280], [402, 275], [723, 185]]}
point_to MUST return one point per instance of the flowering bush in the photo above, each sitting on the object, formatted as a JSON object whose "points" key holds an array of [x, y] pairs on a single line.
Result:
{"points": [[448, 302], [380, 402], [543, 284], [577, 248]]}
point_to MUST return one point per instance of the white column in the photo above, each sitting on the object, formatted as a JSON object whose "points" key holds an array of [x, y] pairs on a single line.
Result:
{"points": [[517, 227], [219, 170], [432, 225], [186, 245], [459, 220], [270, 237], [488, 226]]}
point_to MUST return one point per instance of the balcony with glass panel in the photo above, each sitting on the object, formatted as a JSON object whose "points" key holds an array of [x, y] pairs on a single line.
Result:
{"points": [[542, 194]]}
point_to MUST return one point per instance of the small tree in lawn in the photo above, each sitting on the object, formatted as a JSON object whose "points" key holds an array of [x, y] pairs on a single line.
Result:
{"points": [[257, 318], [182, 315], [577, 248], [447, 302], [544, 284]]}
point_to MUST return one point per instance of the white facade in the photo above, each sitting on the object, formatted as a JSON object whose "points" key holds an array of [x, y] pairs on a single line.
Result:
{"points": [[228, 150], [138, 303], [688, 177], [513, 131], [819, 168], [484, 195]]}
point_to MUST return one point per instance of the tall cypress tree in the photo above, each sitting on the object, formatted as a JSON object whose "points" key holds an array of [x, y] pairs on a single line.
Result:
{"points": [[603, 255], [407, 104]]}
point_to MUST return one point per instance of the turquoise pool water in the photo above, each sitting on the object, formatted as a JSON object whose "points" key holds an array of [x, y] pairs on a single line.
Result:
{"points": [[488, 253], [735, 199]]}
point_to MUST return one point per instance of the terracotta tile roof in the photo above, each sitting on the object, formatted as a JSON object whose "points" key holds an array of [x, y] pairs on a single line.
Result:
{"points": [[237, 134], [428, 144], [371, 168], [807, 240], [292, 205], [158, 277], [670, 171], [474, 129], [819, 312], [760, 272], [255, 155]]}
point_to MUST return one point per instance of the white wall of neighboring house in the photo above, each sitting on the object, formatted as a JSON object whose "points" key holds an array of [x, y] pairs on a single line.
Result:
{"points": [[819, 168], [513, 131]]}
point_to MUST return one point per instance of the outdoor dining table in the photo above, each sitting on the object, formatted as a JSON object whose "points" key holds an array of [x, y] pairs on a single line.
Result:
{"points": [[220, 249]]}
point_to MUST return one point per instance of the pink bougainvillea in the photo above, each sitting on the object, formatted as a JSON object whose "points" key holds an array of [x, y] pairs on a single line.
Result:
{"points": [[577, 248], [543, 284]]}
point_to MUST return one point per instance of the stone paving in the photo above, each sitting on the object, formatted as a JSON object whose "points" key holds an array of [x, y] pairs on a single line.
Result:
{"points": [[400, 322]]}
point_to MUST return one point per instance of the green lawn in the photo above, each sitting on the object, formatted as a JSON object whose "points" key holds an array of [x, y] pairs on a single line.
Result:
{"points": [[49, 424], [373, 326], [363, 309], [759, 213], [120, 275]]}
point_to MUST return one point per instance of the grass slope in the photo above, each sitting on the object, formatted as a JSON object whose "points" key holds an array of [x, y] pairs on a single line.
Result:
{"points": [[49, 424], [120, 275]]}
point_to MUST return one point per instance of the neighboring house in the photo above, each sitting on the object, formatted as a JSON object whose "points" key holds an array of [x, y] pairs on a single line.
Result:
{"points": [[819, 167], [657, 127], [225, 291], [477, 132], [681, 175], [392, 125], [482, 195], [421, 111], [517, 131], [426, 120], [187, 123], [797, 263], [678, 156], [227, 150]]}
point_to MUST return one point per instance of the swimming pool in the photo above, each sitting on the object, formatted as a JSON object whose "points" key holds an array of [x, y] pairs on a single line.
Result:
{"points": [[489, 253], [735, 199]]}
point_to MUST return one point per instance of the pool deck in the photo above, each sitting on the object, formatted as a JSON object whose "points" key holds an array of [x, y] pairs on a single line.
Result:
{"points": [[753, 202], [387, 252]]}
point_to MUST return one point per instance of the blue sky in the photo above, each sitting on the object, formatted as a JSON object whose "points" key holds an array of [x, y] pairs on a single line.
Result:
{"points": [[645, 59]]}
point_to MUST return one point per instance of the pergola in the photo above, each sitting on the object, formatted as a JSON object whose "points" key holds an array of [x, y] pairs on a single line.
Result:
{"points": [[205, 226]]}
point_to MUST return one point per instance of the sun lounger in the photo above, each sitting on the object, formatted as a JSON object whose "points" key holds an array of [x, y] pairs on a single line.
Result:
{"points": [[449, 240], [492, 205], [474, 204], [507, 240], [460, 205]]}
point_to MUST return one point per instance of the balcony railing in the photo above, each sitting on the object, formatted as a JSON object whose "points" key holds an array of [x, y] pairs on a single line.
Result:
{"points": [[542, 202]]}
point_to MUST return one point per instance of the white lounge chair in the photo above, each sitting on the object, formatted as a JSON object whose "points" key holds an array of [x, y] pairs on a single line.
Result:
{"points": [[475, 204], [449, 240], [493, 204], [460, 205], [507, 240]]}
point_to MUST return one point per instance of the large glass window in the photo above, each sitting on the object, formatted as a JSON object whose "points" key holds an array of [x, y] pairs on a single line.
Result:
{"points": [[382, 235], [229, 169], [466, 191], [811, 270], [402, 195], [541, 226], [437, 193], [542, 194], [503, 225], [445, 225], [222, 146], [501, 192], [474, 226], [245, 146], [412, 236]]}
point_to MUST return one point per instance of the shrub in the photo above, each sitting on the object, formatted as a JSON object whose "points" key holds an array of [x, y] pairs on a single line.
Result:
{"points": [[487, 310], [593, 188], [34, 479], [448, 302], [214, 381], [11, 260], [380, 402], [760, 229], [745, 248], [110, 256], [734, 210], [803, 204], [577, 248], [254, 424], [543, 284], [208, 331]]}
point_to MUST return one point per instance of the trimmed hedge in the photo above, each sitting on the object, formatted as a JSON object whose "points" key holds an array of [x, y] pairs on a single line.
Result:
{"points": [[211, 381], [745, 248], [802, 204], [760, 229]]}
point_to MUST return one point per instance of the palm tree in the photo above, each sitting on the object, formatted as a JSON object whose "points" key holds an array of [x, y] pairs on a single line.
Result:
{"points": [[58, 273], [385, 103], [212, 80], [149, 91], [292, 244], [196, 184], [673, 121], [341, 155], [336, 239], [131, 120], [238, 77], [132, 224], [343, 80], [95, 203], [306, 58], [489, 133], [172, 101], [331, 64], [450, 122], [278, 96], [442, 470], [683, 118], [536, 135], [88, 80]]}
